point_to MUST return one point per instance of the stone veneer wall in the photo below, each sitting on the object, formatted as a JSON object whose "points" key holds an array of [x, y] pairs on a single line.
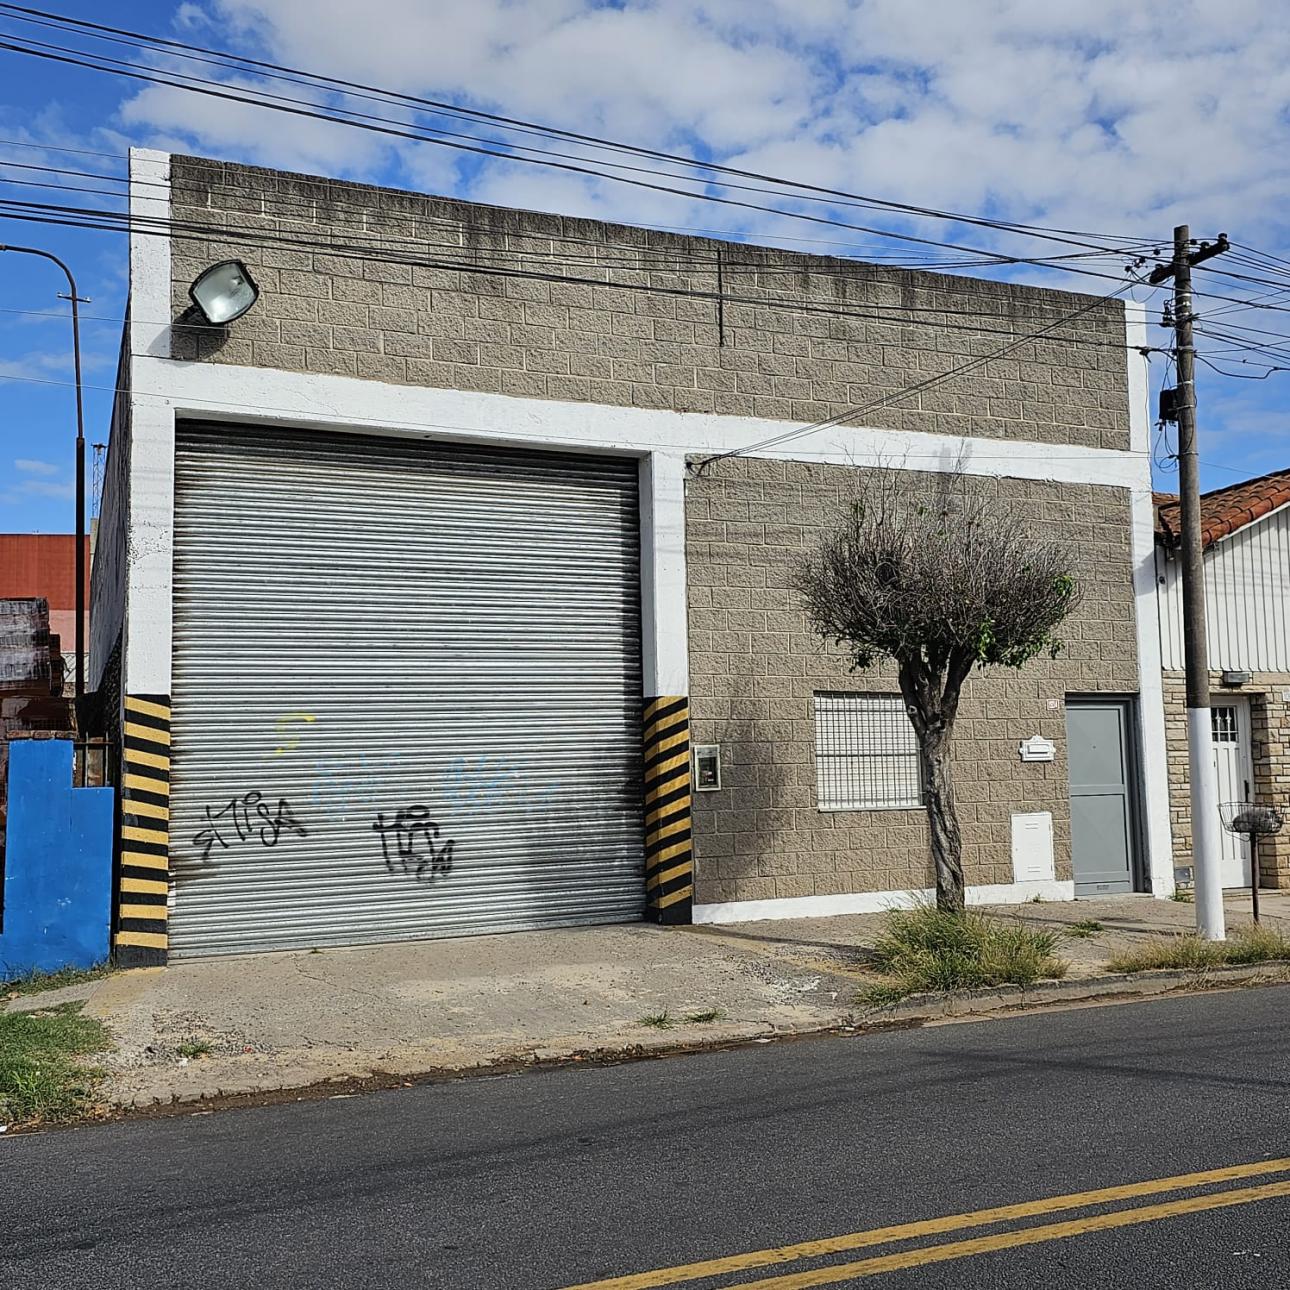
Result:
{"points": [[842, 333], [754, 667], [1270, 747]]}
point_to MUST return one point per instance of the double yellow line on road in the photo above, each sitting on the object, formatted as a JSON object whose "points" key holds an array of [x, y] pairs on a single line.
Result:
{"points": [[1033, 1235]]}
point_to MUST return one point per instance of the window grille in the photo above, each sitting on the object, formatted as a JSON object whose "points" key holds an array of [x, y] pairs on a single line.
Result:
{"points": [[1223, 724], [866, 754]]}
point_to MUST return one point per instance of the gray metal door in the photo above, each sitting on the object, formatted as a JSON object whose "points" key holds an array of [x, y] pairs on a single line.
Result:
{"points": [[1100, 755], [407, 690]]}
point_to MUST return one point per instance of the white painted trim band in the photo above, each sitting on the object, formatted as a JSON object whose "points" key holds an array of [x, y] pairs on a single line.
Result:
{"points": [[266, 396], [875, 902]]}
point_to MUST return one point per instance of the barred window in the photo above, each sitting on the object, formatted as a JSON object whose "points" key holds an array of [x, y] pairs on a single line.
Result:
{"points": [[866, 753], [1222, 720]]}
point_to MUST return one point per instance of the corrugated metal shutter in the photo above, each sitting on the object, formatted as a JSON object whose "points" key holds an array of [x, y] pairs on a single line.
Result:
{"points": [[406, 690]]}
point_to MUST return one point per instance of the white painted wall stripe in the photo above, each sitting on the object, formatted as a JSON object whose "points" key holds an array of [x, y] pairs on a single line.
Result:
{"points": [[874, 902]]}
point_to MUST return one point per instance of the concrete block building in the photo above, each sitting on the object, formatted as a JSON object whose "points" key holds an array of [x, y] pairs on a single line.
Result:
{"points": [[428, 602]]}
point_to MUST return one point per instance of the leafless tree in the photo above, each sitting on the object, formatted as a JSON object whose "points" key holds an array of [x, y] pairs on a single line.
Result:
{"points": [[942, 576]]}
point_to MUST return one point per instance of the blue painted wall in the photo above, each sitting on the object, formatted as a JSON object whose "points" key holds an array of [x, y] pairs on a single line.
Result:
{"points": [[58, 864]]}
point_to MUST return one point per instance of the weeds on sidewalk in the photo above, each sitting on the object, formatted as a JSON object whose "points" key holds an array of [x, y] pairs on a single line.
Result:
{"points": [[195, 1048], [924, 949], [1085, 928], [42, 1077], [658, 1020], [37, 982], [665, 1020], [1249, 944]]}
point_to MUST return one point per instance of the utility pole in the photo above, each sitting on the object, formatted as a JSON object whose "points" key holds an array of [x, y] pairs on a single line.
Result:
{"points": [[1206, 839]]}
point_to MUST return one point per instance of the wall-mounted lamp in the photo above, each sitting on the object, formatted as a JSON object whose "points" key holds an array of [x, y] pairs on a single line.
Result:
{"points": [[1234, 680], [224, 292]]}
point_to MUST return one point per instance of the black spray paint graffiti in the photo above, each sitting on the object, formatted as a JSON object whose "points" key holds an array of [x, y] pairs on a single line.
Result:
{"points": [[413, 848], [246, 817]]}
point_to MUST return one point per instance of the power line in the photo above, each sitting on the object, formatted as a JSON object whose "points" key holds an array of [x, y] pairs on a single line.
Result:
{"points": [[277, 205], [919, 387], [116, 221], [1050, 453], [683, 230], [299, 77]]}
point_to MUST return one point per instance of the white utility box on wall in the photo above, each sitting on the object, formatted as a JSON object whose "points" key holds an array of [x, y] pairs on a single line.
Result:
{"points": [[1032, 847]]}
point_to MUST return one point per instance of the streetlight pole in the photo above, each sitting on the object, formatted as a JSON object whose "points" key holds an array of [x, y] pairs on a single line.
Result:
{"points": [[76, 301]]}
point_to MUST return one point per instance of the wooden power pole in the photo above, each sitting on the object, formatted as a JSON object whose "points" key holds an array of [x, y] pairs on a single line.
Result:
{"points": [[1205, 829]]}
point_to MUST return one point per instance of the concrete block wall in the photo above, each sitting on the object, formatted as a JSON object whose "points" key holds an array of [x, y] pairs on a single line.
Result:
{"points": [[755, 666], [850, 333], [1270, 749]]}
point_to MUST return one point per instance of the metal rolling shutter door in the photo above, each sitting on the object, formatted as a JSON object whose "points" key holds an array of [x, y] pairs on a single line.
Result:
{"points": [[425, 660]]}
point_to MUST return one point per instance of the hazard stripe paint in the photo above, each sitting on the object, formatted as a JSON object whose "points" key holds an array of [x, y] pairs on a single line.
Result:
{"points": [[145, 861], [143, 885], [669, 851], [155, 912], [138, 806], [146, 734], [672, 899], [156, 941], [139, 886], [151, 707], [147, 784]]}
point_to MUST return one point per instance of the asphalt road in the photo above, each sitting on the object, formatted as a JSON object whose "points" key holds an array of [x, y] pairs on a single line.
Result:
{"points": [[559, 1178]]}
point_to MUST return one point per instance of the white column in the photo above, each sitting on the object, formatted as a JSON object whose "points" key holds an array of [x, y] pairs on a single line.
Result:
{"points": [[1206, 834], [150, 515], [1151, 702], [664, 622]]}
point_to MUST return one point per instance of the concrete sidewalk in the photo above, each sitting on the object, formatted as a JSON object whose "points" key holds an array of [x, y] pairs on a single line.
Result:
{"points": [[275, 1021]]}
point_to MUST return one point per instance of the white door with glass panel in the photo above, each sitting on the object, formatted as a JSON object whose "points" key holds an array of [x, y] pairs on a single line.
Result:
{"points": [[1230, 719]]}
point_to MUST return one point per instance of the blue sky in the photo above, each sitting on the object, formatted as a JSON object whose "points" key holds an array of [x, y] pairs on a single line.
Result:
{"points": [[1062, 115]]}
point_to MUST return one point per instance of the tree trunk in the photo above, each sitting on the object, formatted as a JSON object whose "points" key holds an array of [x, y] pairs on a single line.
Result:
{"points": [[947, 844]]}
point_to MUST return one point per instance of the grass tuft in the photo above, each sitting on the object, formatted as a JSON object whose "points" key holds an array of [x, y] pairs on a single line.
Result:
{"points": [[195, 1048], [38, 982], [702, 1018], [1186, 951], [1183, 896], [42, 1079], [1085, 928], [659, 1020], [923, 949]]}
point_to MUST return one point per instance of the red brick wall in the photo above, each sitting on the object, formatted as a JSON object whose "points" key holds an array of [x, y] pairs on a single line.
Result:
{"points": [[41, 564]]}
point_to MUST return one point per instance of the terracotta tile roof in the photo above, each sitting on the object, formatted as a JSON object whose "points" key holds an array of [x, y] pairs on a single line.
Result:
{"points": [[1225, 509]]}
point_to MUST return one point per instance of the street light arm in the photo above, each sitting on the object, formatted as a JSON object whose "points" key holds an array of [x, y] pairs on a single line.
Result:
{"points": [[44, 255], [74, 296]]}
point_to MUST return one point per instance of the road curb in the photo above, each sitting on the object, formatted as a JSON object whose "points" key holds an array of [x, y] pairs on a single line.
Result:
{"points": [[1128, 985], [582, 1050]]}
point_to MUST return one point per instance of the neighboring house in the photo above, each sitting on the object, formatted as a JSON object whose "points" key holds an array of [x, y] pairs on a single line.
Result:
{"points": [[43, 566], [416, 604], [1245, 530]]}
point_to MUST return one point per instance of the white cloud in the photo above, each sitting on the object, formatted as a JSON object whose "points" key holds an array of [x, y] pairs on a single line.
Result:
{"points": [[1055, 113], [29, 466], [44, 365], [28, 489]]}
